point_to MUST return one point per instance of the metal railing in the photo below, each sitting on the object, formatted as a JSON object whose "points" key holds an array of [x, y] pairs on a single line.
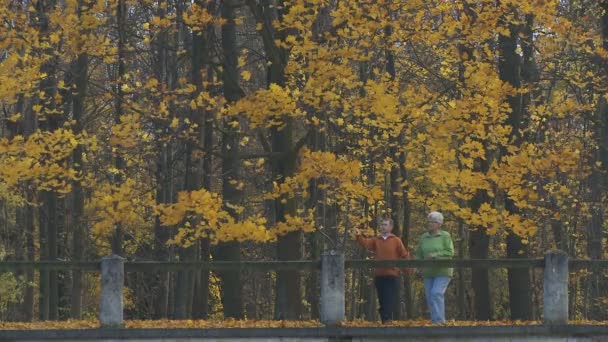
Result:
{"points": [[151, 266], [331, 265]]}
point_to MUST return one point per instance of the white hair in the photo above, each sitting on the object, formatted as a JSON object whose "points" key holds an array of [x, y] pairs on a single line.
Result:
{"points": [[435, 216]]}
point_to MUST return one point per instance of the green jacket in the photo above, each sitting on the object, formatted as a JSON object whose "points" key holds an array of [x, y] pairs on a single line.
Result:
{"points": [[441, 244]]}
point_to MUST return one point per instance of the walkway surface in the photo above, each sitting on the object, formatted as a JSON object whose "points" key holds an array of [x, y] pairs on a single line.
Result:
{"points": [[569, 333]]}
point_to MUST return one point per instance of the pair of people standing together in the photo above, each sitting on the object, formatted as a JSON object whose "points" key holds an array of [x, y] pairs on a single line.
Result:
{"points": [[434, 244]]}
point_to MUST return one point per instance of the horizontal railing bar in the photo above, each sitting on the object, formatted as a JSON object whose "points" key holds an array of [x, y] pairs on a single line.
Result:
{"points": [[138, 266], [146, 266], [458, 263], [587, 264], [50, 265]]}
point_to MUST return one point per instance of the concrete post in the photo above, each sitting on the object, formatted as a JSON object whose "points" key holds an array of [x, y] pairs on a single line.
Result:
{"points": [[112, 281], [332, 288], [555, 288]]}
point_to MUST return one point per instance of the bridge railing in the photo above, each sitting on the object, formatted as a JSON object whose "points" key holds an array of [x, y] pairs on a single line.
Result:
{"points": [[332, 265]]}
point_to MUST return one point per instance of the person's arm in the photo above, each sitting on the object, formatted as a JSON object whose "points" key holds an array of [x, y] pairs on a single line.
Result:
{"points": [[419, 254], [448, 248], [404, 254], [402, 251], [366, 242]]}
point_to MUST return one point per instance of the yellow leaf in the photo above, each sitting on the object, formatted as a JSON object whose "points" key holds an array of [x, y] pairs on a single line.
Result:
{"points": [[152, 82], [246, 75], [15, 117], [55, 38], [242, 61]]}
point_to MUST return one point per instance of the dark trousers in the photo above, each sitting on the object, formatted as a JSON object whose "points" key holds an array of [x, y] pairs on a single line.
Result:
{"points": [[387, 296]]}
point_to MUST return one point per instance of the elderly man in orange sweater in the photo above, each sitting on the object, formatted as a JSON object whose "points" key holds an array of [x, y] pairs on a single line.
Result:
{"points": [[387, 246]]}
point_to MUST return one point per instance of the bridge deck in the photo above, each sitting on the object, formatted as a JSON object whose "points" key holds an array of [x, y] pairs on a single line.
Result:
{"points": [[568, 333]]}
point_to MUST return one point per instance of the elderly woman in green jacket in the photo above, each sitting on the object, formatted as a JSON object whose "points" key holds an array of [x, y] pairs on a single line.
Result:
{"points": [[436, 244]]}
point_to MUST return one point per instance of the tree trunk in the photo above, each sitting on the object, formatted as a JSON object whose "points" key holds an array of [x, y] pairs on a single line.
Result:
{"points": [[44, 292], [80, 72], [479, 243], [288, 284], [28, 300], [314, 243], [598, 184], [519, 279], [183, 285], [396, 191], [48, 251], [201, 299], [232, 297], [185, 279], [25, 214], [121, 18], [161, 235], [200, 62], [405, 237], [462, 302], [164, 192], [478, 238], [478, 247], [288, 301], [48, 210], [23, 218], [200, 303], [288, 295], [559, 232], [396, 203], [231, 286]]}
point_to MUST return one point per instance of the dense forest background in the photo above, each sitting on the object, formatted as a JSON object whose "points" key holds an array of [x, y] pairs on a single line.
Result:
{"points": [[180, 130]]}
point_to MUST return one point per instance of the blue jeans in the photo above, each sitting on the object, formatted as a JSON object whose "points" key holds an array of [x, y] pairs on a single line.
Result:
{"points": [[434, 289]]}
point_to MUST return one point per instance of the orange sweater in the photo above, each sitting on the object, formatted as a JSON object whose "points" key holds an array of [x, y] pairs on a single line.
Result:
{"points": [[391, 248]]}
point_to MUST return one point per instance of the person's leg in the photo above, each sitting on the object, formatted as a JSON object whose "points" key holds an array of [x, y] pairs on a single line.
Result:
{"points": [[428, 286], [390, 299], [437, 293], [379, 282]]}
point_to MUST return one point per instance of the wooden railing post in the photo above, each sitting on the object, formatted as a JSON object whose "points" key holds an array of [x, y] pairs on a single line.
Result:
{"points": [[332, 288], [112, 281], [555, 288]]}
